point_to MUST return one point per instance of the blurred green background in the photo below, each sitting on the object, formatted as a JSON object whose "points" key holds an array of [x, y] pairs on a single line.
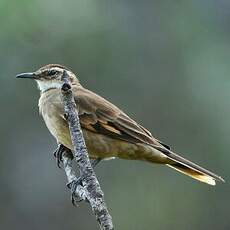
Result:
{"points": [[165, 63]]}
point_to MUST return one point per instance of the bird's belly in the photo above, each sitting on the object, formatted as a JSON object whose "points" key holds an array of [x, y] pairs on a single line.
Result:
{"points": [[58, 127], [105, 147], [102, 146]]}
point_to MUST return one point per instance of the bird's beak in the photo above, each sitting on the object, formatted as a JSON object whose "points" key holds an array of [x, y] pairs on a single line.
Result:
{"points": [[26, 75]]}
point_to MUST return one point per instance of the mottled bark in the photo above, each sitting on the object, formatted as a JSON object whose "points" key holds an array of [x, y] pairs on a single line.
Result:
{"points": [[89, 190]]}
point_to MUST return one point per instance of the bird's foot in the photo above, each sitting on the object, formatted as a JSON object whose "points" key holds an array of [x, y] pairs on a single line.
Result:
{"points": [[58, 153]]}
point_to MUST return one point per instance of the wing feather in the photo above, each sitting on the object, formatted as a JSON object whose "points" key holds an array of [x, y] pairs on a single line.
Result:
{"points": [[99, 115]]}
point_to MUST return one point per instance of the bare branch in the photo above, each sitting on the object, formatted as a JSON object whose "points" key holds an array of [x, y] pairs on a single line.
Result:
{"points": [[89, 190]]}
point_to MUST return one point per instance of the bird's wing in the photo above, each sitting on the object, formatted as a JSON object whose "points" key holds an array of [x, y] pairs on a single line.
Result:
{"points": [[100, 116]]}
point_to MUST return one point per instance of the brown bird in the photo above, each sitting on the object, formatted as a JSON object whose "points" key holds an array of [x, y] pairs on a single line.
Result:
{"points": [[107, 130]]}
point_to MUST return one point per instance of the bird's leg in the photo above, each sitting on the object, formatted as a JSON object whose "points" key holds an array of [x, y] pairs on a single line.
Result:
{"points": [[59, 152], [61, 148]]}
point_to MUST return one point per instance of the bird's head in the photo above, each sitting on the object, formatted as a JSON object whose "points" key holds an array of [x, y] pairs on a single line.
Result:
{"points": [[50, 77]]}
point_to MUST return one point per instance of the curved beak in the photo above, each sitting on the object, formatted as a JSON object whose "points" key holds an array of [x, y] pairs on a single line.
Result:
{"points": [[26, 75]]}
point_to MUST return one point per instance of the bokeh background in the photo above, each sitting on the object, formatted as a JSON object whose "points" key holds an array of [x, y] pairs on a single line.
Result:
{"points": [[166, 63]]}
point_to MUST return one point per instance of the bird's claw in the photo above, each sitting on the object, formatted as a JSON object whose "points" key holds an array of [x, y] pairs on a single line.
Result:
{"points": [[58, 153]]}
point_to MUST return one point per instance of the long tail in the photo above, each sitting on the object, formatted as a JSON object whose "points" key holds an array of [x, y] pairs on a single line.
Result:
{"points": [[187, 167], [190, 169]]}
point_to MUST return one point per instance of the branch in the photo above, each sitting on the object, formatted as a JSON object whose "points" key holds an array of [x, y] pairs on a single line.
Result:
{"points": [[89, 190]]}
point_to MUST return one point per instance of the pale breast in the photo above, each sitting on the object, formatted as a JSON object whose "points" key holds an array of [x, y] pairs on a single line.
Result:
{"points": [[52, 110]]}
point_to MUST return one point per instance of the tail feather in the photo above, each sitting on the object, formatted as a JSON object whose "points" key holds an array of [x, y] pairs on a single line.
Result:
{"points": [[191, 169], [194, 174]]}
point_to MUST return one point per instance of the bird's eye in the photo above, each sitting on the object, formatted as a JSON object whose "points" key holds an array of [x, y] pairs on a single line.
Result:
{"points": [[52, 72]]}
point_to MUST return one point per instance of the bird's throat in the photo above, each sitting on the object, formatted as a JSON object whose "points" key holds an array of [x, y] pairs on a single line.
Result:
{"points": [[47, 85]]}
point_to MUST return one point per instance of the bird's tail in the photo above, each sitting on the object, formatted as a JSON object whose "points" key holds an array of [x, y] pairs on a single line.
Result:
{"points": [[191, 169]]}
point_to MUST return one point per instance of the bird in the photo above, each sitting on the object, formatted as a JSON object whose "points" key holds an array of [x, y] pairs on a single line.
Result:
{"points": [[108, 131]]}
